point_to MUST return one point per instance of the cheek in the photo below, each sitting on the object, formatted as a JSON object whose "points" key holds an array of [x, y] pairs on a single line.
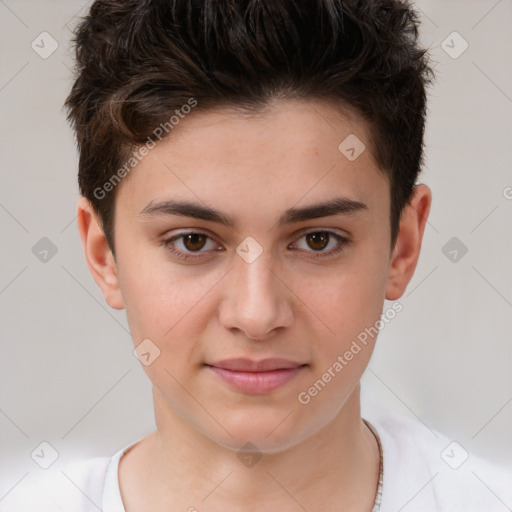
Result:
{"points": [[350, 300], [349, 307], [157, 297], [168, 304]]}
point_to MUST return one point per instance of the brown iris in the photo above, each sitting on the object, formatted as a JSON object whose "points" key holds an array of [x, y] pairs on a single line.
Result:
{"points": [[318, 240], [194, 241]]}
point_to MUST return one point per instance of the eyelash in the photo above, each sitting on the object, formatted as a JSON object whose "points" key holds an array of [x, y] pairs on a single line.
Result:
{"points": [[343, 242]]}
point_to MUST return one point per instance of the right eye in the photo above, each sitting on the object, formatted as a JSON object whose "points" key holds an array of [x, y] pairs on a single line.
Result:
{"points": [[191, 242]]}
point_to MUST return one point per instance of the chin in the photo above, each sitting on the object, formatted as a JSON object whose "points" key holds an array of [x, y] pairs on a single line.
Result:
{"points": [[270, 433], [257, 443]]}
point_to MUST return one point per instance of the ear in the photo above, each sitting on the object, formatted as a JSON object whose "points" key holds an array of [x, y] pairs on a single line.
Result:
{"points": [[408, 245], [98, 255]]}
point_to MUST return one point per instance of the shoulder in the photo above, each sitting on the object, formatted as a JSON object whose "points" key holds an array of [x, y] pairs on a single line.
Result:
{"points": [[424, 470], [77, 486]]}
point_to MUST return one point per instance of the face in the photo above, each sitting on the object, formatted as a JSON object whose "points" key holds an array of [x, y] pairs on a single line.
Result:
{"points": [[254, 267]]}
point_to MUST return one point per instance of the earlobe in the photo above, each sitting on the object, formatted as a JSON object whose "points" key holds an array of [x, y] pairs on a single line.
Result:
{"points": [[408, 245], [98, 255]]}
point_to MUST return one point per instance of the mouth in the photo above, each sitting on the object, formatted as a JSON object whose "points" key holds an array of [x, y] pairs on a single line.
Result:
{"points": [[256, 377]]}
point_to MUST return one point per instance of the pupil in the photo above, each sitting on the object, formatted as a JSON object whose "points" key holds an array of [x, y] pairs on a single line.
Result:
{"points": [[322, 238], [193, 238]]}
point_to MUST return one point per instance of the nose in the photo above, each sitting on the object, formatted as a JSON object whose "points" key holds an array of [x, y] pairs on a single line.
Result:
{"points": [[257, 301]]}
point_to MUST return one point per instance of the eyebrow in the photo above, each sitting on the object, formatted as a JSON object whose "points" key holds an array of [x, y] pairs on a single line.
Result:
{"points": [[337, 206]]}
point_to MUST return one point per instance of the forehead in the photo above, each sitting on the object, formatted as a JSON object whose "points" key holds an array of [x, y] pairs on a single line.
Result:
{"points": [[291, 152]]}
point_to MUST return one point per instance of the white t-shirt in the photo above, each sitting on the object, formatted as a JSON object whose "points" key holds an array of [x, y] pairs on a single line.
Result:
{"points": [[423, 471]]}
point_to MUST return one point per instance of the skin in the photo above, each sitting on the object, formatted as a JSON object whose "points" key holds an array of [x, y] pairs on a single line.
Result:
{"points": [[286, 303]]}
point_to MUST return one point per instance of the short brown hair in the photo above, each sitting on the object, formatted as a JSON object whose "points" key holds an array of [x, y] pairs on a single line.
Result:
{"points": [[138, 61]]}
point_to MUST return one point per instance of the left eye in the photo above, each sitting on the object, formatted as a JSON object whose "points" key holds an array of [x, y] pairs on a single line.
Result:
{"points": [[319, 241], [322, 243]]}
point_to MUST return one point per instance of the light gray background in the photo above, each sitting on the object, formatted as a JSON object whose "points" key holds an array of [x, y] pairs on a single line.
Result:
{"points": [[68, 373]]}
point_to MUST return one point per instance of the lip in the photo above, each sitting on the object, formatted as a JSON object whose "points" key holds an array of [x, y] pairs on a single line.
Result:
{"points": [[242, 364], [256, 377]]}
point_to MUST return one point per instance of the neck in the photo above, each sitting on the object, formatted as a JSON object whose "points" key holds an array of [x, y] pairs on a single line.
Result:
{"points": [[335, 468]]}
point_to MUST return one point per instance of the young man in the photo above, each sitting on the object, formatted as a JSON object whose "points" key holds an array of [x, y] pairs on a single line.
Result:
{"points": [[248, 173]]}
